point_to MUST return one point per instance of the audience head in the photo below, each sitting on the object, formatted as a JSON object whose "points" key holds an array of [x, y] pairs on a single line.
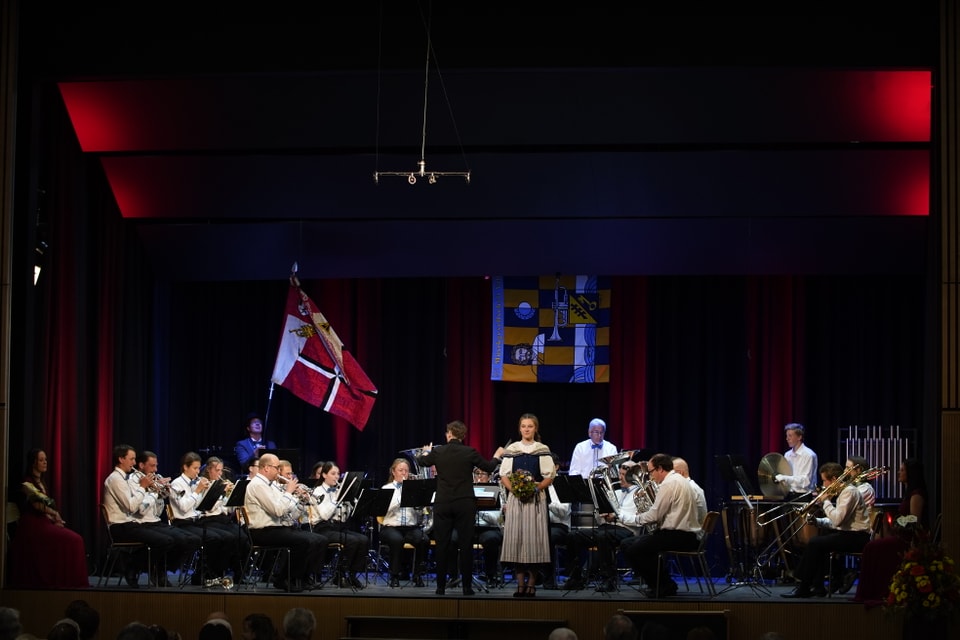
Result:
{"points": [[562, 633], [654, 631], [9, 623], [216, 629], [619, 627], [772, 635], [258, 626], [701, 633], [298, 624], [86, 616], [65, 629], [136, 631]]}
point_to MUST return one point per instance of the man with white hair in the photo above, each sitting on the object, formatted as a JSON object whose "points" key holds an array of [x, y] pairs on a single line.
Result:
{"points": [[299, 624], [587, 454]]}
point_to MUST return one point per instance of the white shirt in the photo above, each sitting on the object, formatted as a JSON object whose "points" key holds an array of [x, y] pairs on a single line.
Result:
{"points": [[396, 515], [851, 513], [674, 508], [559, 512], [626, 507], [803, 465], [585, 458], [125, 500], [184, 498], [701, 499], [268, 507]]}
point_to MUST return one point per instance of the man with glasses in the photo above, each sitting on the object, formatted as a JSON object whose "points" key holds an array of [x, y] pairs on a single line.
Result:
{"points": [[587, 454], [674, 512], [267, 510]]}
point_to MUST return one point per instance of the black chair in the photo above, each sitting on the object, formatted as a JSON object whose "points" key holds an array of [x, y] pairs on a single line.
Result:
{"points": [[117, 549], [260, 557], [698, 556]]}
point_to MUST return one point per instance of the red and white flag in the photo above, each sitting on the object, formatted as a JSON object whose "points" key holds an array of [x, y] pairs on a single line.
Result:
{"points": [[314, 366]]}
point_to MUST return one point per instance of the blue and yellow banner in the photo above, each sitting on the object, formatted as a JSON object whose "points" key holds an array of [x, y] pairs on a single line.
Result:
{"points": [[551, 329]]}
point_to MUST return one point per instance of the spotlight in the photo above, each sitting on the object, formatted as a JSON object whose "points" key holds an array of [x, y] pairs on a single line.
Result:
{"points": [[432, 179], [412, 179]]}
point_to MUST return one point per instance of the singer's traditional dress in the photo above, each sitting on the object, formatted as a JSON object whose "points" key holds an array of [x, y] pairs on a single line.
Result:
{"points": [[526, 534]]}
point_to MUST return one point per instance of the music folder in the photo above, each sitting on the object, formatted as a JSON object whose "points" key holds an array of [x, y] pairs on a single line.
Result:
{"points": [[572, 488], [239, 493], [418, 493], [487, 495], [213, 494], [373, 502]]}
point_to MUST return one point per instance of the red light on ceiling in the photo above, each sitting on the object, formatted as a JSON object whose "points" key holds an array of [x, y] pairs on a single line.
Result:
{"points": [[896, 104]]}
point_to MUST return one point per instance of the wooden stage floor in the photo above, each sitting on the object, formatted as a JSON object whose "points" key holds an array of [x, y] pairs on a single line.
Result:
{"points": [[747, 610]]}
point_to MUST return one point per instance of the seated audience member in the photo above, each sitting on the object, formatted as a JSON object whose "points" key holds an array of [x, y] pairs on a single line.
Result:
{"points": [[86, 616], [216, 627], [562, 633], [619, 627], [10, 626], [258, 626], [65, 629], [299, 624]]}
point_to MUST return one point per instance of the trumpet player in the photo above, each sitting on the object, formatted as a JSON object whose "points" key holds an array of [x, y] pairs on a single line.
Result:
{"points": [[125, 500], [218, 536], [334, 525], [401, 525], [845, 527]]}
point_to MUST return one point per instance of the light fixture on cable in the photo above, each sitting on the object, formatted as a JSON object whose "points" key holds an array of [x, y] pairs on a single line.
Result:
{"points": [[421, 172]]}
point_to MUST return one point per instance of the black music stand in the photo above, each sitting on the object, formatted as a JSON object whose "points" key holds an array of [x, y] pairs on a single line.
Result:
{"points": [[418, 493], [214, 493]]}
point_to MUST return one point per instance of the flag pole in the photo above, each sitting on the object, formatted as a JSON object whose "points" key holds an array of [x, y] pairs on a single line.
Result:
{"points": [[266, 415]]}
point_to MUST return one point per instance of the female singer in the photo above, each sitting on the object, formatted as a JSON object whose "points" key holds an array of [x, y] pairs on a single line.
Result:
{"points": [[44, 554], [526, 536], [402, 525], [334, 526], [881, 557]]}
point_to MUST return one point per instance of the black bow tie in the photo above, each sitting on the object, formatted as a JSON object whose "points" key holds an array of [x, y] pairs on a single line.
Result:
{"points": [[129, 473], [624, 489]]}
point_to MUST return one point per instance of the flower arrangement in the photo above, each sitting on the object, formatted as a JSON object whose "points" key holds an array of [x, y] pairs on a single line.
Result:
{"points": [[522, 485], [926, 584]]}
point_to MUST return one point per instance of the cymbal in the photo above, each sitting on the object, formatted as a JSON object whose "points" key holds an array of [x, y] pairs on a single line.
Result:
{"points": [[771, 465]]}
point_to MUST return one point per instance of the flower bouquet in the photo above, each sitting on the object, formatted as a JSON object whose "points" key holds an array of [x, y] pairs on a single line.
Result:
{"points": [[522, 485], [926, 584]]}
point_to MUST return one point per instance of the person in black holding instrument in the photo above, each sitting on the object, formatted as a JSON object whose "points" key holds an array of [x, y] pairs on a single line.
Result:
{"points": [[455, 502]]}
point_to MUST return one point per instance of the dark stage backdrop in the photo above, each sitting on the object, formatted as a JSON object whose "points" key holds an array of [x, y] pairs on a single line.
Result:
{"points": [[113, 352]]}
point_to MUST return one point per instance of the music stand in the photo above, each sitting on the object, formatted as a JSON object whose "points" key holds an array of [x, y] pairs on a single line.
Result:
{"points": [[373, 503], [572, 489], [418, 493], [239, 493], [213, 494]]}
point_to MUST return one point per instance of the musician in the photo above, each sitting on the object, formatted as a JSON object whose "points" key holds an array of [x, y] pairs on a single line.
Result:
{"points": [[489, 535], [587, 454], [559, 529], [267, 508], [401, 525], [249, 449], [674, 512], [859, 464], [680, 466], [616, 528], [455, 502], [127, 502], [220, 547], [802, 460], [213, 470], [334, 525], [845, 527]]}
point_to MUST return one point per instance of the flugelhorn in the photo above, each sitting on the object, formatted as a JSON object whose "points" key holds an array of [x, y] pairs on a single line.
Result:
{"points": [[226, 582]]}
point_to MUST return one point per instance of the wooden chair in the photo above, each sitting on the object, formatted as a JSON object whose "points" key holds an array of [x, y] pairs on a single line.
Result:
{"points": [[698, 556], [260, 557], [115, 550]]}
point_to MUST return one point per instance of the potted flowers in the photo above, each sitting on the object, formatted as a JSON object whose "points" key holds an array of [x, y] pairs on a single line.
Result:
{"points": [[926, 587]]}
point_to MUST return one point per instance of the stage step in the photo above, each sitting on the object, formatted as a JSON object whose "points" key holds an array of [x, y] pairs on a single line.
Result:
{"points": [[374, 627]]}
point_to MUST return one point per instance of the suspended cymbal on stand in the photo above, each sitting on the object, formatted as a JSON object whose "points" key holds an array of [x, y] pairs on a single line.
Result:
{"points": [[771, 465]]}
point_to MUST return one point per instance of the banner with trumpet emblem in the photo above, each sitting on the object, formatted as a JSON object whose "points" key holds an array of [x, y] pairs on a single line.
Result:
{"points": [[551, 329]]}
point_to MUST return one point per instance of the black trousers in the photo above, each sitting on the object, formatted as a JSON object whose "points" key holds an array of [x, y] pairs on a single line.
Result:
{"points": [[815, 559], [642, 551], [305, 547], [460, 516], [395, 537]]}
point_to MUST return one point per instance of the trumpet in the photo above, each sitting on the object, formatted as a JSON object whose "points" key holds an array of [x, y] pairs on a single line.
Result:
{"points": [[302, 494], [226, 582], [158, 484]]}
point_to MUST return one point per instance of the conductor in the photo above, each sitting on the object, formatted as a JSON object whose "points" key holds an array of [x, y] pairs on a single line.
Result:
{"points": [[455, 505]]}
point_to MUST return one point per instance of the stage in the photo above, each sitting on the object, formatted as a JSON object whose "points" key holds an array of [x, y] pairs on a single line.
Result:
{"points": [[378, 611]]}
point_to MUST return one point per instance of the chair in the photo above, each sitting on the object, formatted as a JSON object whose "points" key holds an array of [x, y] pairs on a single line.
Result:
{"points": [[115, 550], [876, 522], [384, 547], [260, 556], [698, 556]]}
